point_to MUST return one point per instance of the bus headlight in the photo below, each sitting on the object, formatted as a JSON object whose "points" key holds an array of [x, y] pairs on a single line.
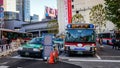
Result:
{"points": [[93, 48], [20, 48], [35, 49]]}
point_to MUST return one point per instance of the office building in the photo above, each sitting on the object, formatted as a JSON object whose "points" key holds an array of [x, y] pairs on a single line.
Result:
{"points": [[26, 10], [82, 7], [34, 18], [17, 10]]}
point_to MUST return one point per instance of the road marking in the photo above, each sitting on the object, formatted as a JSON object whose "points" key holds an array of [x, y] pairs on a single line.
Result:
{"points": [[4, 63], [4, 66], [19, 67], [98, 56], [94, 60], [111, 56], [19, 57]]}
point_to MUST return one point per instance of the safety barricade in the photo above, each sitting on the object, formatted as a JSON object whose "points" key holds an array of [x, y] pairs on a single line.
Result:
{"points": [[8, 49]]}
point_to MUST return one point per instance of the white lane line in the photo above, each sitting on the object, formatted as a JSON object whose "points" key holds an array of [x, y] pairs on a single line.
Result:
{"points": [[4, 66], [98, 56], [4, 63], [95, 60], [111, 56], [19, 57]]}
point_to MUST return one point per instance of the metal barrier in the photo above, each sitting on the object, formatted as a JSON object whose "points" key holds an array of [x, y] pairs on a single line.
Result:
{"points": [[8, 49]]}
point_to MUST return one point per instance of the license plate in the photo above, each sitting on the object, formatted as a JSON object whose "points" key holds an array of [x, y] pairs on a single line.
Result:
{"points": [[79, 52], [26, 53]]}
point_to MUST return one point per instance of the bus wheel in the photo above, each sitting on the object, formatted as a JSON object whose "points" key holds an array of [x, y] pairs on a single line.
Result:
{"points": [[69, 53]]}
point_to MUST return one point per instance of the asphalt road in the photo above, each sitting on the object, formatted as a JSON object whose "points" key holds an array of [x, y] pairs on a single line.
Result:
{"points": [[32, 63], [106, 58]]}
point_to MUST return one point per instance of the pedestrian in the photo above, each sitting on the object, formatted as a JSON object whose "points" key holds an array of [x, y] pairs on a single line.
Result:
{"points": [[0, 45], [55, 54], [118, 44], [100, 43], [8, 43], [18, 42], [4, 43], [114, 43]]}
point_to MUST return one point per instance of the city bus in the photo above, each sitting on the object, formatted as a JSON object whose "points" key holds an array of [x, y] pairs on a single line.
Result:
{"points": [[80, 39], [13, 35], [107, 36]]}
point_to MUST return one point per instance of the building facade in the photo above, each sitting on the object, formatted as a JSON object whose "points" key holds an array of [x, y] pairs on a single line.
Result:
{"points": [[38, 28], [26, 10], [35, 18], [10, 11], [16, 13], [17, 9], [83, 7]]}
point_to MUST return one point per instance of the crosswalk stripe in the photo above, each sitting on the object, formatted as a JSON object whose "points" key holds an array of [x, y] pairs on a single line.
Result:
{"points": [[98, 56], [4, 66], [111, 56], [94, 60], [19, 57]]}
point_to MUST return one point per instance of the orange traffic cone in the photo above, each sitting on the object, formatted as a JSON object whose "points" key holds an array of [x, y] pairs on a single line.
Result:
{"points": [[51, 59]]}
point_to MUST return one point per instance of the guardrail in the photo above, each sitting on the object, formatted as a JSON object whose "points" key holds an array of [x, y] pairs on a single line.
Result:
{"points": [[8, 49]]}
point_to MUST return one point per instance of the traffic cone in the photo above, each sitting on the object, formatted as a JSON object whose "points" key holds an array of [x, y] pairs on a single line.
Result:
{"points": [[51, 59]]}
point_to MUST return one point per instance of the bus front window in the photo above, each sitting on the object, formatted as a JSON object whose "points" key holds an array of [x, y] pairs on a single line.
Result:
{"points": [[80, 35], [117, 35]]}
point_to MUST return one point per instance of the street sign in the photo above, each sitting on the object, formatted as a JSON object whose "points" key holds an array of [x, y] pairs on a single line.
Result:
{"points": [[48, 45], [1, 14]]}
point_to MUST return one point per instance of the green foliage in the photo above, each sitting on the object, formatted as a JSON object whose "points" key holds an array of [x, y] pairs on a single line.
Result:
{"points": [[53, 26], [113, 11], [77, 18], [98, 16]]}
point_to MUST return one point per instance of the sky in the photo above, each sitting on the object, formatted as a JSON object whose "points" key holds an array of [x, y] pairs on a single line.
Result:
{"points": [[38, 7]]}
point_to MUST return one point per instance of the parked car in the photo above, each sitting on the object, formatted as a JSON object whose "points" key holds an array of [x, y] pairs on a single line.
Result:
{"points": [[33, 48], [59, 42]]}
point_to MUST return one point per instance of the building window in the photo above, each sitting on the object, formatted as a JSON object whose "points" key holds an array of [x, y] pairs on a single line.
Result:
{"points": [[72, 6], [72, 0], [77, 11]]}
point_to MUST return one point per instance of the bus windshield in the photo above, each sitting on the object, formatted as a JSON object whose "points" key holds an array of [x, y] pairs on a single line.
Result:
{"points": [[80, 35], [118, 35]]}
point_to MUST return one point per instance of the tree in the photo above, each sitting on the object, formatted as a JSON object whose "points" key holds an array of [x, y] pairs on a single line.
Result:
{"points": [[98, 16], [53, 26], [77, 18], [113, 11]]}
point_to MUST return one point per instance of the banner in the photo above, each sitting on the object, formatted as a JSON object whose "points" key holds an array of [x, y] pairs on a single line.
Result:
{"points": [[1, 2], [69, 11], [66, 11], [51, 13]]}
